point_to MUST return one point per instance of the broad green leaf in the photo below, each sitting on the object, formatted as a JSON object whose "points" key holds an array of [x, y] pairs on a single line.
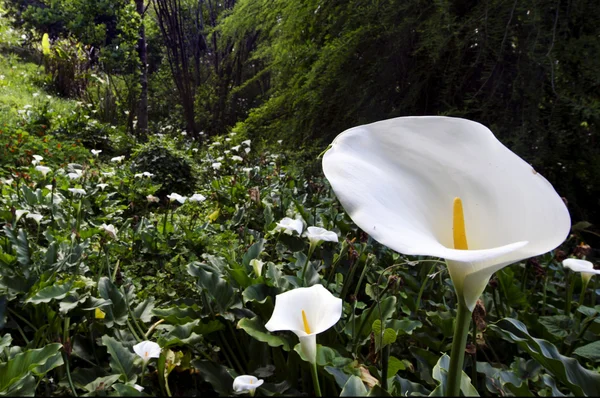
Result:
{"points": [[21, 244], [121, 359], [125, 390], [189, 333], [255, 328], [404, 326], [253, 252], [144, 310], [215, 374], [178, 315], [54, 292], [381, 340], [557, 325], [217, 287], [118, 311], [24, 363], [325, 355], [101, 383], [394, 366], [259, 293], [440, 373], [354, 387], [567, 370], [589, 351], [407, 388]]}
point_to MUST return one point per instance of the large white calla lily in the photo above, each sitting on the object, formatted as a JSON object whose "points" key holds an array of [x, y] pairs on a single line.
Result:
{"points": [[417, 184], [306, 311]]}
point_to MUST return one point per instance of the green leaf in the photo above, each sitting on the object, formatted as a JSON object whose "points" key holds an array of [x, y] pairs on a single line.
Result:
{"points": [[404, 326], [54, 292], [259, 293], [217, 287], [325, 355], [101, 383], [121, 359], [354, 387], [387, 307], [394, 366], [557, 325], [253, 252], [255, 328], [144, 310], [20, 242], [216, 375], [23, 364], [440, 373], [118, 311], [567, 370], [589, 351], [389, 335], [125, 390]]}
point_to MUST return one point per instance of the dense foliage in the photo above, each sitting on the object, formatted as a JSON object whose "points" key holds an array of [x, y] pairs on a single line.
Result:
{"points": [[113, 234]]}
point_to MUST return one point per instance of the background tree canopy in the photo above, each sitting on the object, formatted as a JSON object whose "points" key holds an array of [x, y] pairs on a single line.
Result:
{"points": [[305, 71]]}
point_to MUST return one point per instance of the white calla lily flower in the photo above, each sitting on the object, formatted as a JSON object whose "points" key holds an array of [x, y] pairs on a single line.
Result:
{"points": [[110, 230], [306, 311], [102, 186], [317, 234], [177, 197], [117, 159], [246, 142], [216, 165], [246, 383], [96, 152], [36, 217], [37, 159], [288, 226], [584, 267], [197, 198], [77, 191], [404, 182], [147, 349], [237, 158], [43, 169]]}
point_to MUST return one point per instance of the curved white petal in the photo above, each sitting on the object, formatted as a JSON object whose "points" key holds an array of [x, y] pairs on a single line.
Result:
{"points": [[316, 234], [321, 308], [246, 383], [580, 265], [308, 344], [397, 180], [147, 349]]}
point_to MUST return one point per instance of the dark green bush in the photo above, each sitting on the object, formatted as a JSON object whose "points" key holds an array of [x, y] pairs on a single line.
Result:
{"points": [[170, 166]]}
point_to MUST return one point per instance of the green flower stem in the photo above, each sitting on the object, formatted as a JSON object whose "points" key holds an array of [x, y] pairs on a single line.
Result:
{"points": [[311, 250], [337, 260], [418, 303], [459, 343], [569, 294], [165, 220], [143, 372], [385, 359], [544, 296], [315, 377], [584, 285]]}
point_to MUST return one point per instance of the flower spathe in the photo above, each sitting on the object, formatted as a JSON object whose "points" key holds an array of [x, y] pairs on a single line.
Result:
{"points": [[147, 349], [398, 180], [584, 267], [246, 383], [43, 169], [177, 197], [317, 234], [306, 311], [289, 225]]}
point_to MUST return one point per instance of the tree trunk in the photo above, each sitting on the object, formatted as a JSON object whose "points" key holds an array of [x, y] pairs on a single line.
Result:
{"points": [[142, 125]]}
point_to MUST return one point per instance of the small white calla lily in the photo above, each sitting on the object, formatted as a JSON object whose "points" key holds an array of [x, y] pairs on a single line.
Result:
{"points": [[317, 234], [110, 230], [76, 175], [247, 149], [237, 158], [306, 311], [36, 159], [19, 214], [102, 186], [144, 174], [197, 198], [246, 383], [216, 165], [257, 265], [152, 198], [177, 197], [77, 191], [96, 152], [147, 349], [246, 142], [235, 148], [585, 267], [43, 169], [117, 159], [398, 180], [7, 181], [36, 217], [288, 226]]}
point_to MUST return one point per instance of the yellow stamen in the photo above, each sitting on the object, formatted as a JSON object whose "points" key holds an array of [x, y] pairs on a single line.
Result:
{"points": [[458, 226], [306, 327]]}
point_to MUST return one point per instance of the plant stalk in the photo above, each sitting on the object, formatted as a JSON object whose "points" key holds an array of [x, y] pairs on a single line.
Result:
{"points": [[315, 377], [459, 343]]}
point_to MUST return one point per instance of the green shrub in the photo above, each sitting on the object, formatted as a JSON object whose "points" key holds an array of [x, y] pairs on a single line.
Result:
{"points": [[170, 166]]}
